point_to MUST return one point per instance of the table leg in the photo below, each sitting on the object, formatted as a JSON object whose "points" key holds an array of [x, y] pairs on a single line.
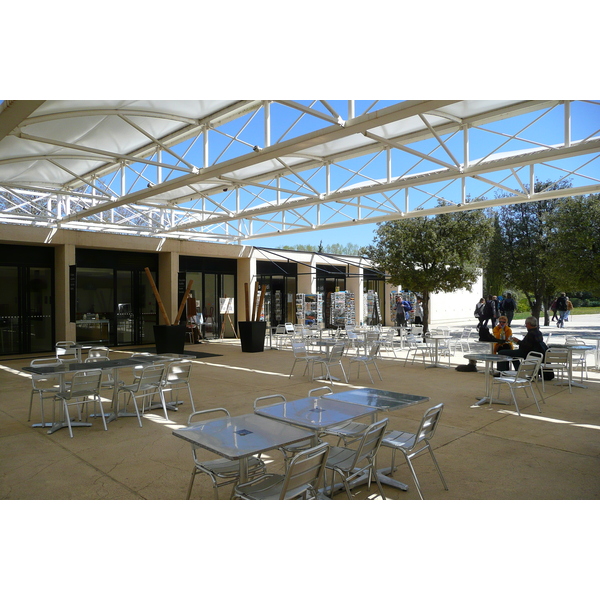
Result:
{"points": [[488, 393], [436, 364], [573, 383]]}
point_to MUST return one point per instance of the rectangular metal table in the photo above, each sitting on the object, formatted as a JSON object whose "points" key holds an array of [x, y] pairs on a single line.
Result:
{"points": [[112, 366], [570, 348], [239, 438], [489, 360], [384, 401], [315, 413]]}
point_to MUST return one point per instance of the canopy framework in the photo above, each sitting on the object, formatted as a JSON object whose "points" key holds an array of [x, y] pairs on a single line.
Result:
{"points": [[235, 171]]}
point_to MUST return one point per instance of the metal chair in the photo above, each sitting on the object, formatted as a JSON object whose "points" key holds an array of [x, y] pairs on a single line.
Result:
{"points": [[228, 471], [366, 359], [464, 341], [289, 450], [301, 479], [415, 347], [108, 381], [45, 386], [333, 358], [98, 351], [556, 361], [524, 379], [578, 357], [353, 341], [301, 354], [177, 377], [413, 444], [352, 463], [145, 387], [66, 352], [84, 389], [388, 342], [417, 330]]}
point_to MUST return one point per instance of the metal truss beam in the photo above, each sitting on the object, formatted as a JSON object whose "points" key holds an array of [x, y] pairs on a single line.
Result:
{"points": [[325, 171]]}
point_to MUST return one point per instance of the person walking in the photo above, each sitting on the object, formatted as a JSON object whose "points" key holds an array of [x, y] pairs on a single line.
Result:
{"points": [[479, 312], [569, 308], [400, 314], [561, 306], [554, 309], [418, 308], [510, 307], [489, 312]]}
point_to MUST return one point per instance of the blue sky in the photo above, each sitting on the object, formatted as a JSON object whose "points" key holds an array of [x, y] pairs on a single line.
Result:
{"points": [[545, 127]]}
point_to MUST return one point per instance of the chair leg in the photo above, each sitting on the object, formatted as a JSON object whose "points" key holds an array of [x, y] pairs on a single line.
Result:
{"points": [[343, 372], [137, 410], [535, 399], [414, 475], [193, 477], [376, 478], [515, 401], [377, 368], [435, 462], [30, 403], [66, 410], [99, 401]]}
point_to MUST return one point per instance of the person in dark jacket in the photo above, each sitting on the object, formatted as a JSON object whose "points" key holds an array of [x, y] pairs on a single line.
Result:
{"points": [[509, 306], [561, 305], [490, 312], [532, 342]]}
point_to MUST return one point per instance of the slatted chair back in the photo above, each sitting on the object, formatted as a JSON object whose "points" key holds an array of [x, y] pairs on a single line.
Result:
{"points": [[305, 471]]}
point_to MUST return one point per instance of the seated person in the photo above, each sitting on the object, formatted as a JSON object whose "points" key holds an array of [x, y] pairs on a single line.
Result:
{"points": [[532, 342], [498, 331]]}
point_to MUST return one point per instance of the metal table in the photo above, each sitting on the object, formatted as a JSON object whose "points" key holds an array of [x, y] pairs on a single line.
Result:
{"points": [[489, 360], [316, 413], [112, 366], [382, 401], [436, 339], [239, 438], [580, 348]]}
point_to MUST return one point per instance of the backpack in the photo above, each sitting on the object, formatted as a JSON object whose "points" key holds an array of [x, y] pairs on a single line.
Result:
{"points": [[561, 303]]}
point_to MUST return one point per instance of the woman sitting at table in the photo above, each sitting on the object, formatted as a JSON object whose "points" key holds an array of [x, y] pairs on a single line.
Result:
{"points": [[502, 332], [532, 342]]}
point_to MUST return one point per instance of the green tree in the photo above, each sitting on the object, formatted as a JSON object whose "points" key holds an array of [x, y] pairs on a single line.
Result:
{"points": [[575, 243], [525, 229], [494, 278], [431, 254]]}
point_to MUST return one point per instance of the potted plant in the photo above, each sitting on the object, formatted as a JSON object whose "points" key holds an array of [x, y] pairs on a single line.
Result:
{"points": [[169, 338], [252, 331]]}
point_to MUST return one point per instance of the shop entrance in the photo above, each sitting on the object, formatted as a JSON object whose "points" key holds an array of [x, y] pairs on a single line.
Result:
{"points": [[26, 309]]}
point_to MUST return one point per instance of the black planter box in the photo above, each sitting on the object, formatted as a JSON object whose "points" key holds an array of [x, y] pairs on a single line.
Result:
{"points": [[170, 339], [252, 335]]}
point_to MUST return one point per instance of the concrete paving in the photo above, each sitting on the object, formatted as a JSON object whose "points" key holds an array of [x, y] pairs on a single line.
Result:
{"points": [[485, 452]]}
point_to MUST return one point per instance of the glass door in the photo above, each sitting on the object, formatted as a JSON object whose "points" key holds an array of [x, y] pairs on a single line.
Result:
{"points": [[38, 305], [25, 310], [125, 309]]}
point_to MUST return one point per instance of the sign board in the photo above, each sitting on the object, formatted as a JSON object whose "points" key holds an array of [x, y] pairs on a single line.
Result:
{"points": [[226, 306]]}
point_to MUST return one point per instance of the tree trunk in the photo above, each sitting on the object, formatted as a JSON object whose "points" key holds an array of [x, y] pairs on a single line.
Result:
{"points": [[547, 302], [425, 296]]}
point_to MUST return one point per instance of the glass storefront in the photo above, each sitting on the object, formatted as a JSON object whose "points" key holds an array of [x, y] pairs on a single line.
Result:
{"points": [[26, 299], [280, 297], [214, 280], [114, 303]]}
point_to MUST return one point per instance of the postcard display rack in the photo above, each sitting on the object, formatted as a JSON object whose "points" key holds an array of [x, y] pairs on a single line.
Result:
{"points": [[309, 309], [342, 310], [372, 308]]}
